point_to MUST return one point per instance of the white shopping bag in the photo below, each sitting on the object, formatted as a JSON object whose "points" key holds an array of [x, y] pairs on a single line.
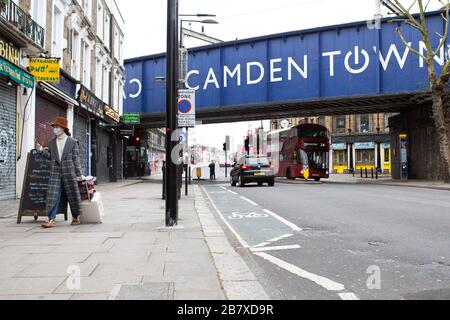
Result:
{"points": [[93, 211]]}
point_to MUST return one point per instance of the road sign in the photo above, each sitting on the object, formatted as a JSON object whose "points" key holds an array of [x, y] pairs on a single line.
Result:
{"points": [[186, 108], [132, 118]]}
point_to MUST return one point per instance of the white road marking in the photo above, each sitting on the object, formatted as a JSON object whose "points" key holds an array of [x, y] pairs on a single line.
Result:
{"points": [[348, 296], [275, 248], [281, 238], [224, 188], [238, 237], [261, 245], [232, 192], [249, 201], [321, 281], [283, 220], [273, 240]]}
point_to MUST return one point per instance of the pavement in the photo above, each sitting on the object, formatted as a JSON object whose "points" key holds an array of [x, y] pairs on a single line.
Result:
{"points": [[329, 241], [131, 256]]}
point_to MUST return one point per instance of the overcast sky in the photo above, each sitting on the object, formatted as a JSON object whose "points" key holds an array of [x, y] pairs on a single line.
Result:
{"points": [[145, 29]]}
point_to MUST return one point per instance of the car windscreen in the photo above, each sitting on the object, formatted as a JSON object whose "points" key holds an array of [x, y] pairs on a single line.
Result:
{"points": [[258, 161]]}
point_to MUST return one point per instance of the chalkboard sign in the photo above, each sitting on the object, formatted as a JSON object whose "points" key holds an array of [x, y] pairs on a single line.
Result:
{"points": [[34, 191]]}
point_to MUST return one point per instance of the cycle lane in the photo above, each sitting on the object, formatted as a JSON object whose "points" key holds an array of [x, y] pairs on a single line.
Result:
{"points": [[254, 226]]}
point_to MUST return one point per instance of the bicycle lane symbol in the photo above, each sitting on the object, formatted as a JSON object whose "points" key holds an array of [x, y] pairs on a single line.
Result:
{"points": [[249, 215]]}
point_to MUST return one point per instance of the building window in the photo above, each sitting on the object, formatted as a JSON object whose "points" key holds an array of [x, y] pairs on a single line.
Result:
{"points": [[105, 96], [365, 156], [339, 124], [39, 11], [76, 52], [98, 79], [87, 7], [57, 32], [86, 65], [364, 123], [100, 21], [322, 121], [107, 26]]}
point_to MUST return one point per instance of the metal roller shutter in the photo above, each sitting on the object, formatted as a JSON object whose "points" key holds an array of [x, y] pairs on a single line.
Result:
{"points": [[103, 170], [8, 112], [46, 112], [80, 132]]}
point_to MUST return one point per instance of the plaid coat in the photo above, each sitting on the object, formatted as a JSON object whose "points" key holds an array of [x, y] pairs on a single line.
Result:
{"points": [[67, 171]]}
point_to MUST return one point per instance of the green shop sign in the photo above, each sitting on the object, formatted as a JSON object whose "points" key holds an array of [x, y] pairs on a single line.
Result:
{"points": [[16, 74], [132, 118]]}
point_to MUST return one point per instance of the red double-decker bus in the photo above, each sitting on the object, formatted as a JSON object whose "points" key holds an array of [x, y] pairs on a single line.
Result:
{"points": [[302, 151]]}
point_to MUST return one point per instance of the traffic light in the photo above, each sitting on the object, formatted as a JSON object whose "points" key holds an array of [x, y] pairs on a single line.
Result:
{"points": [[224, 147]]}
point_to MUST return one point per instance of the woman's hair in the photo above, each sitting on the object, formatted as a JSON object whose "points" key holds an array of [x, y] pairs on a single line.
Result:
{"points": [[67, 132]]}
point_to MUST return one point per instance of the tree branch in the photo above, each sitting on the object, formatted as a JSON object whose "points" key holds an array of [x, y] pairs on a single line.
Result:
{"points": [[407, 44]]}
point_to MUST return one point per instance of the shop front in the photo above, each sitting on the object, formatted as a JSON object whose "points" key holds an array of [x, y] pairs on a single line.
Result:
{"points": [[105, 152], [12, 79], [340, 158], [365, 156]]}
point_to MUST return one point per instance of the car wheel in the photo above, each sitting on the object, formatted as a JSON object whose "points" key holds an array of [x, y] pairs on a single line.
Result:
{"points": [[241, 182], [272, 183], [317, 179], [260, 184]]}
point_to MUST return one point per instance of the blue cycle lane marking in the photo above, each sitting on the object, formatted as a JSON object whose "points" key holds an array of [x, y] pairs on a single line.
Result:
{"points": [[252, 223]]}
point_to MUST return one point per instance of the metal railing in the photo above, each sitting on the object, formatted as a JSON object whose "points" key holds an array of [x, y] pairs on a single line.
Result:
{"points": [[23, 22]]}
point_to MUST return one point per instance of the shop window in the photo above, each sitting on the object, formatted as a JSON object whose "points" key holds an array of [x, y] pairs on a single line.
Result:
{"points": [[365, 156], [340, 157]]}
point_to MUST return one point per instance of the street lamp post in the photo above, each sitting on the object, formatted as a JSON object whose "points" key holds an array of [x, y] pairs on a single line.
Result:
{"points": [[171, 112]]}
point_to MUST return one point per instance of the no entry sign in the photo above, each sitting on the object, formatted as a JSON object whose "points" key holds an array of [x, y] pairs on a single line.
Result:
{"points": [[186, 108]]}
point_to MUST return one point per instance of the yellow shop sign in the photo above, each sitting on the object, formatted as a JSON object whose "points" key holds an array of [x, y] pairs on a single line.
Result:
{"points": [[45, 69]]}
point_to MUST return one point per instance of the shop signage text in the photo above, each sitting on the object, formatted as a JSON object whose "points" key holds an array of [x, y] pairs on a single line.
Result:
{"points": [[44, 69], [91, 101], [10, 52], [16, 74], [364, 145], [112, 114], [132, 118]]}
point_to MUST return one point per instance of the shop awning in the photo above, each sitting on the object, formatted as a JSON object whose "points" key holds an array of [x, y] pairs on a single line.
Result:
{"points": [[16, 74]]}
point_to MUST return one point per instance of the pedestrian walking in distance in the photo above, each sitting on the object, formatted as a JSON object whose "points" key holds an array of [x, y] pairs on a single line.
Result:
{"points": [[212, 171], [64, 153]]}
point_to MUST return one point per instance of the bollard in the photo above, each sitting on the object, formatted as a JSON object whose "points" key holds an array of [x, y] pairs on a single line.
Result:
{"points": [[372, 173], [376, 175], [367, 173], [362, 173], [186, 182]]}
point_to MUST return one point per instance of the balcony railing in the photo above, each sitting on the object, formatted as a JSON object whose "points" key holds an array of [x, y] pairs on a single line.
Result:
{"points": [[23, 22]]}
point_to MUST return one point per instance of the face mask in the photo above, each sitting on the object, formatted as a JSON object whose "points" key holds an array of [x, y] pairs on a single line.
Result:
{"points": [[58, 131]]}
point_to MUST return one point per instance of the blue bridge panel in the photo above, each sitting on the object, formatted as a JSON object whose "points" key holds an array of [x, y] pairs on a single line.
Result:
{"points": [[349, 60]]}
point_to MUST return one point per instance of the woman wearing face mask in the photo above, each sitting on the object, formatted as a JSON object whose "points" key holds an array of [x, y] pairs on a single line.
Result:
{"points": [[64, 153]]}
